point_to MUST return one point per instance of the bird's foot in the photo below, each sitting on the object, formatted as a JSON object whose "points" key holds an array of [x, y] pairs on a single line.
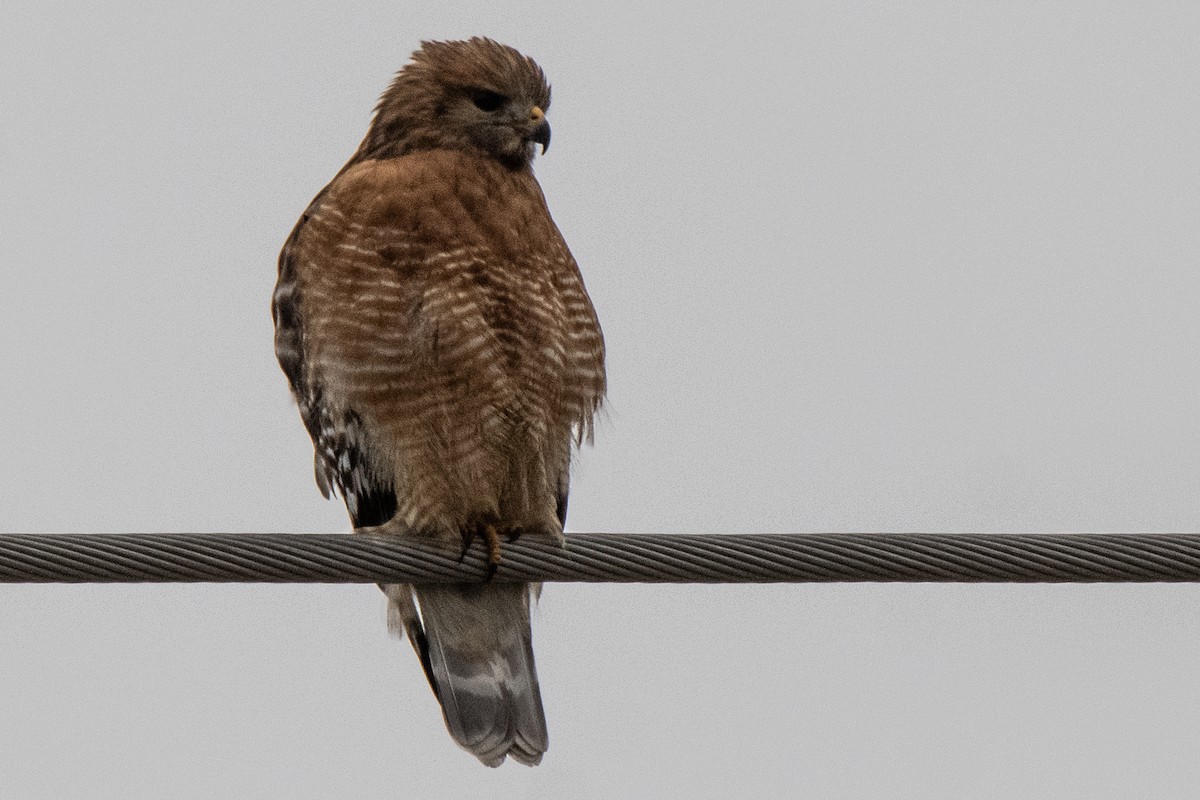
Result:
{"points": [[490, 532]]}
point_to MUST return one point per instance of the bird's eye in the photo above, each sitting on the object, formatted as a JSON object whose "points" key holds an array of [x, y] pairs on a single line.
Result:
{"points": [[486, 100]]}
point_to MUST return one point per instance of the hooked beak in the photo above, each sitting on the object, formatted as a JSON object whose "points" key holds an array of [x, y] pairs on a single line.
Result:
{"points": [[540, 134]]}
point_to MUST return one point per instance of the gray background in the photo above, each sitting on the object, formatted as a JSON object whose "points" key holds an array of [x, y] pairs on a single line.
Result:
{"points": [[860, 269]]}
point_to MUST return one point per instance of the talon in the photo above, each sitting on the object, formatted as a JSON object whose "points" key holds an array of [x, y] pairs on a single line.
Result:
{"points": [[492, 537], [468, 536]]}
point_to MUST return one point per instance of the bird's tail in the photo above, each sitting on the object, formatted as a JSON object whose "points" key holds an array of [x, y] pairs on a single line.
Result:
{"points": [[476, 647]]}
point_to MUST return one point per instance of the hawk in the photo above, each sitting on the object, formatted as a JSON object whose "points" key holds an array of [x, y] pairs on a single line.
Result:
{"points": [[446, 361]]}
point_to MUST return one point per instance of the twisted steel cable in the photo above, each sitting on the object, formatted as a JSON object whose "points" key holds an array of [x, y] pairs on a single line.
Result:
{"points": [[620, 558]]}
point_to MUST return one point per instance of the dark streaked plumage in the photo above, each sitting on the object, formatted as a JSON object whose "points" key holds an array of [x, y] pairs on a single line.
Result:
{"points": [[445, 357]]}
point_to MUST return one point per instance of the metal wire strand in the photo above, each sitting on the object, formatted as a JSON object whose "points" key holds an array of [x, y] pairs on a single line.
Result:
{"points": [[600, 558]]}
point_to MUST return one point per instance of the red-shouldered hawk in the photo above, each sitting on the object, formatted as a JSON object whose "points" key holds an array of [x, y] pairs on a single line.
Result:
{"points": [[446, 358]]}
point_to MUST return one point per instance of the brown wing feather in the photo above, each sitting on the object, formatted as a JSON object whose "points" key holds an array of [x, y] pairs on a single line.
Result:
{"points": [[341, 450]]}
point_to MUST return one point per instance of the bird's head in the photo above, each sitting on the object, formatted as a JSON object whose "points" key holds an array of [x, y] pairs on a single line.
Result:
{"points": [[475, 95]]}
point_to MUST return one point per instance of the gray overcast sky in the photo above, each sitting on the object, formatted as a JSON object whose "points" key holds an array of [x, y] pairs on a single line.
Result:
{"points": [[928, 266]]}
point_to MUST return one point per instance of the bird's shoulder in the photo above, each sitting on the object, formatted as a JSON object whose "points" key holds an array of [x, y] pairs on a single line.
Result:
{"points": [[430, 202], [385, 188]]}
